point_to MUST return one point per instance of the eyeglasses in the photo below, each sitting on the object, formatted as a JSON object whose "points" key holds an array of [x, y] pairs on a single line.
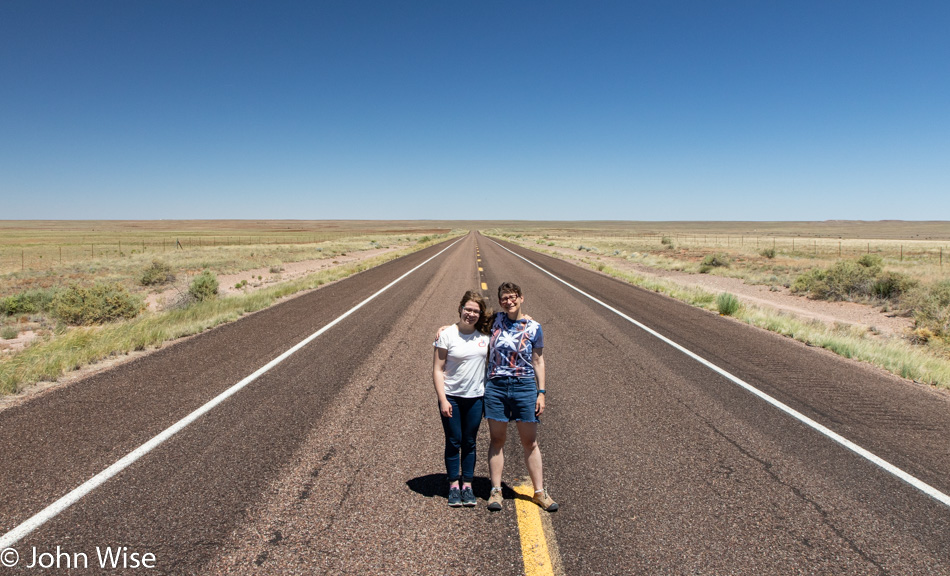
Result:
{"points": [[508, 298]]}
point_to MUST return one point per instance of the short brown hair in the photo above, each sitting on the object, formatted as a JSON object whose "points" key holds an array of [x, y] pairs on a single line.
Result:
{"points": [[509, 287]]}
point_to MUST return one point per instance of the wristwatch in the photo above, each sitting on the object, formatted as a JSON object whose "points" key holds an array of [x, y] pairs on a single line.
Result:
{"points": [[541, 391]]}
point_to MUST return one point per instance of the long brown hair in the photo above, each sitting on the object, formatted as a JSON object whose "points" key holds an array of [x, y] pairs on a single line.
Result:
{"points": [[485, 315]]}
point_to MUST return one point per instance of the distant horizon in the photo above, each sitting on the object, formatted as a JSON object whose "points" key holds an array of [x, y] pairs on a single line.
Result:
{"points": [[614, 111], [829, 220]]}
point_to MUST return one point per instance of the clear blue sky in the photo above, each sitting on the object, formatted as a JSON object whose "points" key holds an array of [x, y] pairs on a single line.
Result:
{"points": [[454, 109]]}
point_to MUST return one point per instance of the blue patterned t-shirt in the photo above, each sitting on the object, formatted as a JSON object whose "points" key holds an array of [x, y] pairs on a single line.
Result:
{"points": [[512, 343]]}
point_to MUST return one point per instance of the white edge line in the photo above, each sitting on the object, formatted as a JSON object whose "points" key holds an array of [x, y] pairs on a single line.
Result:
{"points": [[51, 511], [912, 480]]}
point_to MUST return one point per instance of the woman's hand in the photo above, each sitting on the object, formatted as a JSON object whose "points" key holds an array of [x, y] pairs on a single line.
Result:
{"points": [[445, 407], [539, 405]]}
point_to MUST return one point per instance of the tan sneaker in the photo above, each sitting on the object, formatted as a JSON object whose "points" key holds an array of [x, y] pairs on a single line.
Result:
{"points": [[495, 500], [544, 500]]}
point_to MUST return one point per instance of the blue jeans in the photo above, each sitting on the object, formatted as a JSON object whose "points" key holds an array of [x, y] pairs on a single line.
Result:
{"points": [[461, 431], [511, 399]]}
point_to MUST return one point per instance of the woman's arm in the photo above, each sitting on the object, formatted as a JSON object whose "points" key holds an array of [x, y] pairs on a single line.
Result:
{"points": [[438, 380], [537, 360]]}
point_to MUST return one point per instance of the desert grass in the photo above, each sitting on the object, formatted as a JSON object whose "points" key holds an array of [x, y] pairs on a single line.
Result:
{"points": [[73, 348], [26, 266], [925, 364]]}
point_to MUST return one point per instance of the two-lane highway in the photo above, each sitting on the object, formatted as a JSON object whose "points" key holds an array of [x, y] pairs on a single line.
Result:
{"points": [[330, 462]]}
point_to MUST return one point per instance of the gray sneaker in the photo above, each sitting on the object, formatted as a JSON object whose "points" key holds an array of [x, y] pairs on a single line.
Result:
{"points": [[495, 500], [468, 497], [455, 497]]}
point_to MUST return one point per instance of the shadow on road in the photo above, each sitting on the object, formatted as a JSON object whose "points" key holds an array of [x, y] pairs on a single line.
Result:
{"points": [[432, 485]]}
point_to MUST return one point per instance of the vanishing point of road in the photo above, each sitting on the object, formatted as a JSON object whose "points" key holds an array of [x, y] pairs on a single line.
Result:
{"points": [[305, 439]]}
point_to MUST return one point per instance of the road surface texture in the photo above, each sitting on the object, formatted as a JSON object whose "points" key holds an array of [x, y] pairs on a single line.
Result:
{"points": [[331, 461]]}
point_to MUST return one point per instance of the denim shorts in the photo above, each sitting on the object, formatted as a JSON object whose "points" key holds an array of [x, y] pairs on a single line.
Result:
{"points": [[511, 399]]}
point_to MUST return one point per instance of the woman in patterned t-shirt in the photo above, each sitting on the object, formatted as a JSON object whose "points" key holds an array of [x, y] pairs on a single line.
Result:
{"points": [[515, 392]]}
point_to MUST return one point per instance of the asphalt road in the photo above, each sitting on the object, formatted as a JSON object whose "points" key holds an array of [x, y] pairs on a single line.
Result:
{"points": [[330, 462]]}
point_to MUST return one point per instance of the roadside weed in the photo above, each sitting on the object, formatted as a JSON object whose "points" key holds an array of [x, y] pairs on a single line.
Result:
{"points": [[727, 304]]}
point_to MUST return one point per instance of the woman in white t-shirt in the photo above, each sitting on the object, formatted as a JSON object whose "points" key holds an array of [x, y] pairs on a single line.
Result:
{"points": [[458, 372]]}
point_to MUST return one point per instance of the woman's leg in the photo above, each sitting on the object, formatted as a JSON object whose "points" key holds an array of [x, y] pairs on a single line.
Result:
{"points": [[528, 432], [453, 441], [496, 455], [471, 411]]}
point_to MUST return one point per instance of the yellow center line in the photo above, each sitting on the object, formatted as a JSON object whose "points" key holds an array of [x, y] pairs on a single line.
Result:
{"points": [[484, 286], [540, 557], [480, 269]]}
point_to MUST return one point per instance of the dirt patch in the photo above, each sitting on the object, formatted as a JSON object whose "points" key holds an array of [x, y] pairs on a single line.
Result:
{"points": [[11, 345]]}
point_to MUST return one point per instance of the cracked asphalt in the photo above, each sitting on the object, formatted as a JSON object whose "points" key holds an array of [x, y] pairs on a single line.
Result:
{"points": [[330, 463]]}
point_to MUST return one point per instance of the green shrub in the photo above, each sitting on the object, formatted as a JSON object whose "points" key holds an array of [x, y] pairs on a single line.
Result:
{"points": [[768, 253], [204, 286], [727, 304], [930, 307], [157, 273], [9, 332], [713, 261], [103, 302], [890, 285], [845, 280], [811, 283], [871, 261], [716, 260], [29, 302]]}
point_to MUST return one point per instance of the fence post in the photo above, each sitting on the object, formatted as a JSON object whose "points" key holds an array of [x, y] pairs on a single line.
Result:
{"points": [[902, 252]]}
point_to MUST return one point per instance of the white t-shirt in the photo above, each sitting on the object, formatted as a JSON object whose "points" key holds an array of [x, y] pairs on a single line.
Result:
{"points": [[465, 363]]}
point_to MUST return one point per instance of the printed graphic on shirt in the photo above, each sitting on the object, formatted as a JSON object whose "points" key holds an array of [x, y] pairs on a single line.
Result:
{"points": [[512, 343]]}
